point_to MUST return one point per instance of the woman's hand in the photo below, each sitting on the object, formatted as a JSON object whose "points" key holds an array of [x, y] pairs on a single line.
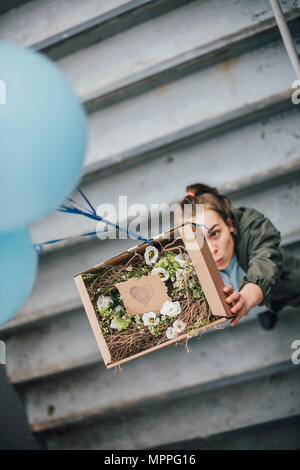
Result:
{"points": [[239, 304], [248, 297]]}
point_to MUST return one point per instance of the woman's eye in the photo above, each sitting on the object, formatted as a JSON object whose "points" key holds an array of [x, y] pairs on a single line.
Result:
{"points": [[214, 233]]}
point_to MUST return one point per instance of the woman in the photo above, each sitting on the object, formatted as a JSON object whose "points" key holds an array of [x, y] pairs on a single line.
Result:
{"points": [[245, 247]]}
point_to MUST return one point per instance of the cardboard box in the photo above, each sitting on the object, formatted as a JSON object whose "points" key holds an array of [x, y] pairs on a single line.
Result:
{"points": [[150, 288]]}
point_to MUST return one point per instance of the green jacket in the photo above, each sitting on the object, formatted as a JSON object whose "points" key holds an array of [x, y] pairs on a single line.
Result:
{"points": [[266, 264]]}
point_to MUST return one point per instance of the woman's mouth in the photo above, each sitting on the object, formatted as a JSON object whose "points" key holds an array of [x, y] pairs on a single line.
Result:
{"points": [[219, 261]]}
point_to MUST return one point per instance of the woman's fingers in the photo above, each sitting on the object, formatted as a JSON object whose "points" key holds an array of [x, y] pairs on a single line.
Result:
{"points": [[237, 301], [234, 297], [237, 307], [228, 289], [235, 320]]}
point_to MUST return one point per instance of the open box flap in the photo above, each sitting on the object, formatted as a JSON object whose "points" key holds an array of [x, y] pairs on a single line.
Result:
{"points": [[206, 269]]}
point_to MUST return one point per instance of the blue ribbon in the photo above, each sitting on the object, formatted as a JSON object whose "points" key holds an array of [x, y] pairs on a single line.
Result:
{"points": [[93, 215], [40, 245], [90, 213]]}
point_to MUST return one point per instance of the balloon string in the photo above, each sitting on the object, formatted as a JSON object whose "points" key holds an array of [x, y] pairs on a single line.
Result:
{"points": [[194, 223], [93, 215], [39, 246], [90, 213], [86, 199]]}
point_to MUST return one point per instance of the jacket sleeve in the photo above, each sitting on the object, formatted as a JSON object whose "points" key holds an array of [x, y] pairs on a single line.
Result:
{"points": [[265, 258]]}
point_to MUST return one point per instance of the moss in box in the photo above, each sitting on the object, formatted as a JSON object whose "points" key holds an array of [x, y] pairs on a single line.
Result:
{"points": [[127, 335]]}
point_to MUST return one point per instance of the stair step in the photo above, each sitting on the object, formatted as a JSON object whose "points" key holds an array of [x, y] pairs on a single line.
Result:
{"points": [[54, 281], [10, 4], [204, 114], [41, 352], [101, 166], [199, 416], [265, 145], [167, 373], [63, 343], [278, 199], [282, 434], [157, 60], [287, 172], [189, 108], [170, 110], [64, 27]]}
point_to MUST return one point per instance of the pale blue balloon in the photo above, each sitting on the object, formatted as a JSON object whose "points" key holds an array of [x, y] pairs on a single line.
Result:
{"points": [[18, 266], [42, 136]]}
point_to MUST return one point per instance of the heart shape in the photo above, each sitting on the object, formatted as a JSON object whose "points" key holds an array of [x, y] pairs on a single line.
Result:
{"points": [[142, 294]]}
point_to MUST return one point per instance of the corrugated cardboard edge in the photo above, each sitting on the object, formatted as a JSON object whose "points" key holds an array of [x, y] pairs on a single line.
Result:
{"points": [[206, 270], [92, 318], [166, 343]]}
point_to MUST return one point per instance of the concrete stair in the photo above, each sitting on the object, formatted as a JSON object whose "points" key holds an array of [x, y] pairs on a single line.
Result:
{"points": [[176, 92]]}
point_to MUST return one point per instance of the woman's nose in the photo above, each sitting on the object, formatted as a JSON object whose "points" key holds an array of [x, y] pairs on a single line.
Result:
{"points": [[214, 250], [213, 247]]}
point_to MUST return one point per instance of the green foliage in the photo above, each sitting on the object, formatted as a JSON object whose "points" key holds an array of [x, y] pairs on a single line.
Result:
{"points": [[157, 330], [195, 287], [107, 312], [109, 317], [137, 271], [87, 276], [199, 321], [50, 409], [121, 323], [168, 262]]}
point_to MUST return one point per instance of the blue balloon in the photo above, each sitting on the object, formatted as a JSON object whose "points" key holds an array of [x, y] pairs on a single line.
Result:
{"points": [[18, 266], [42, 137]]}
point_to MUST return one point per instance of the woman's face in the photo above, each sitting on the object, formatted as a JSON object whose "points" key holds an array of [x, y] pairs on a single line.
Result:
{"points": [[220, 240]]}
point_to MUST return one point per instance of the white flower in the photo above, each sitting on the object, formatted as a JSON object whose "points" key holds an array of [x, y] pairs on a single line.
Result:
{"points": [[183, 260], [179, 258], [113, 324], [180, 274], [171, 333], [170, 309], [179, 326], [151, 255], [151, 329], [104, 302], [150, 318], [164, 272], [118, 308]]}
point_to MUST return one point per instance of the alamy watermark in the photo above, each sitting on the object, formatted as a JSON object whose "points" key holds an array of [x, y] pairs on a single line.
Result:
{"points": [[295, 358], [2, 92], [148, 222], [2, 352]]}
